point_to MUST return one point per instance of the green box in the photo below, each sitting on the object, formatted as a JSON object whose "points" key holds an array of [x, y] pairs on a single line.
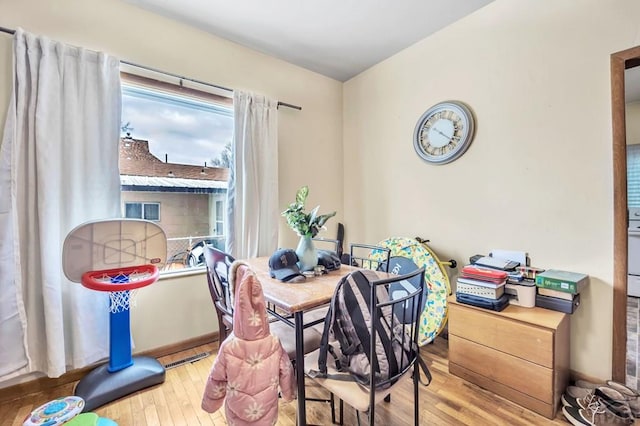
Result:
{"points": [[568, 282]]}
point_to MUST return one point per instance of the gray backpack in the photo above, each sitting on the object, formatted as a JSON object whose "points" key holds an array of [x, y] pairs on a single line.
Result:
{"points": [[348, 327]]}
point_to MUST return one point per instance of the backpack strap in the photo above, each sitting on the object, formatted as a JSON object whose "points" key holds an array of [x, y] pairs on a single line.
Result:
{"points": [[348, 377], [325, 346], [341, 321], [422, 366], [363, 321], [322, 363]]}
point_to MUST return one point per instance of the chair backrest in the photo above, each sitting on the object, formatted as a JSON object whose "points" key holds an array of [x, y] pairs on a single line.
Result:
{"points": [[375, 322], [401, 313], [370, 257], [218, 264], [326, 243]]}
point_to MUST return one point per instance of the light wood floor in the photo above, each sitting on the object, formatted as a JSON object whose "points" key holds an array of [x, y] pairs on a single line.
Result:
{"points": [[449, 400]]}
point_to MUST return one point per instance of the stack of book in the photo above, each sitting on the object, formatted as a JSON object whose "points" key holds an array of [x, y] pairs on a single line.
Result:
{"points": [[482, 287], [560, 290]]}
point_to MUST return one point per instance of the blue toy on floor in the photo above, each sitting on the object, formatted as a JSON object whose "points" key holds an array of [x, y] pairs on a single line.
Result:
{"points": [[55, 412], [65, 411]]}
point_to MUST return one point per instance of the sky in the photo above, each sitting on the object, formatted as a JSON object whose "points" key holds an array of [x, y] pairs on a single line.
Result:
{"points": [[188, 131]]}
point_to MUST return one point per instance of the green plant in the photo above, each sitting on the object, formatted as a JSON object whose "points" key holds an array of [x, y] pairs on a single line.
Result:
{"points": [[305, 224]]}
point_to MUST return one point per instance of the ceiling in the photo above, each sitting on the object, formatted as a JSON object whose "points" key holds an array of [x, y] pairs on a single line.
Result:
{"points": [[336, 38]]}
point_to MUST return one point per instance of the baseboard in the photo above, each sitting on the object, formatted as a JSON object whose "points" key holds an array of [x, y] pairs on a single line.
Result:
{"points": [[45, 383], [576, 375], [181, 346]]}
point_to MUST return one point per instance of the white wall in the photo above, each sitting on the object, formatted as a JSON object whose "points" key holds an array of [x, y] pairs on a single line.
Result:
{"points": [[174, 310], [171, 311], [632, 122], [537, 177]]}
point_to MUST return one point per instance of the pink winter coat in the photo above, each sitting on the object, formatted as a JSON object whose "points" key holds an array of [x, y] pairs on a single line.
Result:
{"points": [[251, 363]]}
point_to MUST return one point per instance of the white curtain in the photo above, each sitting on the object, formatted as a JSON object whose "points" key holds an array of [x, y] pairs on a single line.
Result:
{"points": [[58, 169], [252, 197]]}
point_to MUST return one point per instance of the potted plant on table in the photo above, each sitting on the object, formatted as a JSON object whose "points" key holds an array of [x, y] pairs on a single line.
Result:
{"points": [[307, 226]]}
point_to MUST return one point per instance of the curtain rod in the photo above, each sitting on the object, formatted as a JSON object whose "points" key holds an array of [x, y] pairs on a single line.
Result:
{"points": [[299, 108]]}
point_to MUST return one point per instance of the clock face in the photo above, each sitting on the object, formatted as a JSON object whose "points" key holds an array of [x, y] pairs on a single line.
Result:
{"points": [[444, 132]]}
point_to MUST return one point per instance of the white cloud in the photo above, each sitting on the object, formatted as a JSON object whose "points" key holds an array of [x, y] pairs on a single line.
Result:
{"points": [[186, 134]]}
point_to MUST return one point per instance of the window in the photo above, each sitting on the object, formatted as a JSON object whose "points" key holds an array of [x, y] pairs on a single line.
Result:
{"points": [[633, 175], [174, 151], [148, 211], [219, 217]]}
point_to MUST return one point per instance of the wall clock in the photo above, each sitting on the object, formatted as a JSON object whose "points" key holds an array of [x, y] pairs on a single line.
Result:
{"points": [[444, 132]]}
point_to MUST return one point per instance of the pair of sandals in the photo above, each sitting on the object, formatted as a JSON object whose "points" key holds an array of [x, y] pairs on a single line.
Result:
{"points": [[621, 395]]}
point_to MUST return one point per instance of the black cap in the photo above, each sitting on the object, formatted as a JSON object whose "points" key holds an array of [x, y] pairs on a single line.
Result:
{"points": [[283, 265]]}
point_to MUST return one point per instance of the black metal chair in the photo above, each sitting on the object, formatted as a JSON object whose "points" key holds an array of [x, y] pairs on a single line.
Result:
{"points": [[399, 312], [329, 243], [369, 256], [362, 255], [218, 265]]}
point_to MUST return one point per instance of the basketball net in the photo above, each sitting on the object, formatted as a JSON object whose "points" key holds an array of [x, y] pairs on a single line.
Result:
{"points": [[122, 300]]}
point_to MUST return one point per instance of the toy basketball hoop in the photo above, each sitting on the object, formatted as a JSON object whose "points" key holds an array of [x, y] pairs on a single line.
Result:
{"points": [[119, 257]]}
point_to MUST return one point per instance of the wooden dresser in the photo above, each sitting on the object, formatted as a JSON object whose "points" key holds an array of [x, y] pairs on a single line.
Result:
{"points": [[521, 354]]}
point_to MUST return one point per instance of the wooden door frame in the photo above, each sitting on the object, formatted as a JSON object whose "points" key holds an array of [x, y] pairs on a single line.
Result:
{"points": [[619, 62]]}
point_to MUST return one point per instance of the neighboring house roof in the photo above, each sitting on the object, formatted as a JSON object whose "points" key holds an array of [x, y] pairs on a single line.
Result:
{"points": [[137, 160], [167, 184]]}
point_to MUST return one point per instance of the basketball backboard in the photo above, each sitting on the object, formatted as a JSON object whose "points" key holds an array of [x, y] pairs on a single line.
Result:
{"points": [[113, 243]]}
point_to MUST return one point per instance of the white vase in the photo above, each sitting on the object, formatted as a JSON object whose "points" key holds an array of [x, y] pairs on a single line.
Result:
{"points": [[307, 254]]}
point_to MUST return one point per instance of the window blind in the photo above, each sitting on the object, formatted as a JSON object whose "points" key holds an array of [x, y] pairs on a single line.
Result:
{"points": [[633, 175]]}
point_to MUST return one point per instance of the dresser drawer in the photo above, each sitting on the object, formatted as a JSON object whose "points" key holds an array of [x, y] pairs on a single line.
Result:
{"points": [[516, 373], [518, 339]]}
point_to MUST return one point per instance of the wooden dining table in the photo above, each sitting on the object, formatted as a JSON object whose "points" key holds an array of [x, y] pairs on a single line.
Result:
{"points": [[291, 301]]}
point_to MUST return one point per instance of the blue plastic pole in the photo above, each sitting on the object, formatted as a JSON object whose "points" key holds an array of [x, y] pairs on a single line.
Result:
{"points": [[119, 335]]}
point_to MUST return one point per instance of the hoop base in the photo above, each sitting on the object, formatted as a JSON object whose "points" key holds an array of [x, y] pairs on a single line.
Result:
{"points": [[100, 387]]}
